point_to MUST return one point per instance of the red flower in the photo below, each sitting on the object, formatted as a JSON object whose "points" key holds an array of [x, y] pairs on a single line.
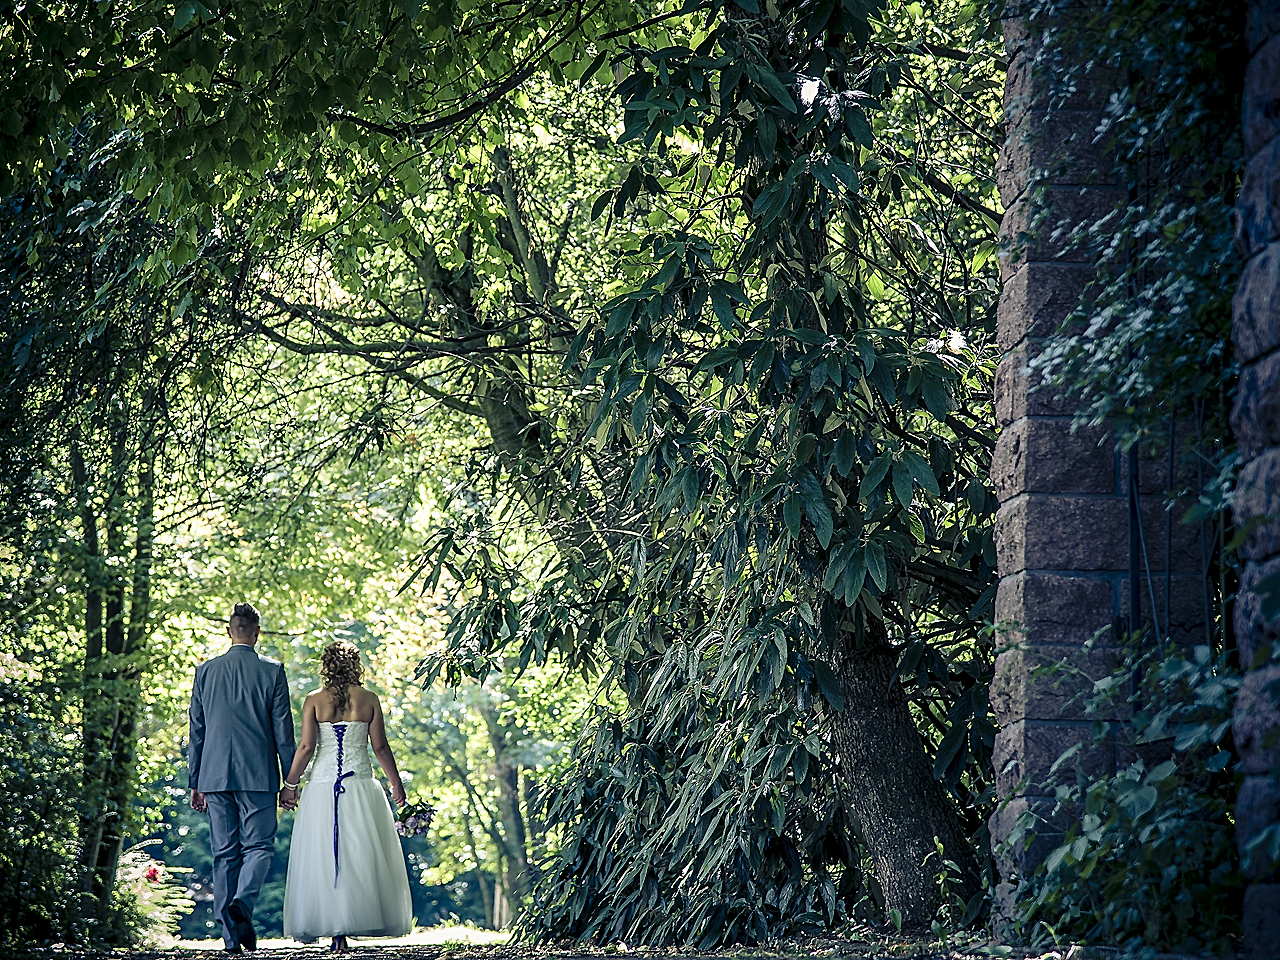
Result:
{"points": [[153, 873]]}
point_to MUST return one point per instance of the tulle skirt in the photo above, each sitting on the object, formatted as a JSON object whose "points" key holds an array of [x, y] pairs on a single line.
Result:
{"points": [[369, 897]]}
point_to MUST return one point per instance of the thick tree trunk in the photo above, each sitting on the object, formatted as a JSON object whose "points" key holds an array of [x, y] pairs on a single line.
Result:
{"points": [[900, 805]]}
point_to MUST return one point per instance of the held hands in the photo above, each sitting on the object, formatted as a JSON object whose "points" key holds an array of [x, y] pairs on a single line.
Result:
{"points": [[198, 803], [288, 798]]}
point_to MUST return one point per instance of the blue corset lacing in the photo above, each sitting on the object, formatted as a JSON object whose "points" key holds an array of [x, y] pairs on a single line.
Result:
{"points": [[339, 730]]}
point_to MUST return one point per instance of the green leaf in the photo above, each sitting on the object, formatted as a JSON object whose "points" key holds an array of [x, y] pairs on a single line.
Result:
{"points": [[804, 448], [777, 89], [855, 575], [770, 202], [828, 685], [791, 514], [1139, 801], [902, 488], [876, 565], [882, 376], [935, 395], [640, 473], [948, 750], [976, 494], [875, 473], [921, 472], [839, 560], [846, 450], [855, 121], [601, 203], [800, 765], [723, 308], [820, 516]]}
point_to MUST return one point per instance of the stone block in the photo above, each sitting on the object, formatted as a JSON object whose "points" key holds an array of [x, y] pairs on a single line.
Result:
{"points": [[1045, 609], [1017, 397], [1020, 80], [1255, 636], [1025, 752], [1261, 106], [1184, 539], [1257, 807], [1028, 87], [1013, 29], [1256, 417], [1038, 226], [1050, 532], [1260, 922], [1052, 146], [1034, 682], [1255, 724], [1042, 455], [1255, 310], [1258, 205], [1186, 602], [1153, 466], [1258, 496], [1037, 299], [1262, 21]]}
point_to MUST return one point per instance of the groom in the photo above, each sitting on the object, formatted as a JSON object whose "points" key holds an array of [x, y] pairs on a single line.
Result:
{"points": [[241, 741]]}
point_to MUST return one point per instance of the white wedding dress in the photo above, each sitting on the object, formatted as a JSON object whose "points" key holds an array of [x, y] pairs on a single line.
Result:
{"points": [[346, 870]]}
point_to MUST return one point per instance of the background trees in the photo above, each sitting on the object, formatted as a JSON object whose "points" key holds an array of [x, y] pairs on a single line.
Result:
{"points": [[649, 347]]}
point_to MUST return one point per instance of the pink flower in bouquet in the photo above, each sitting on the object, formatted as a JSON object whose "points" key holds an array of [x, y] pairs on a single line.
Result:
{"points": [[153, 873]]}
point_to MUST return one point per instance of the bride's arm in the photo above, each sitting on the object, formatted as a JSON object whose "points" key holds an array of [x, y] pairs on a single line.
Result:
{"points": [[307, 743], [382, 750]]}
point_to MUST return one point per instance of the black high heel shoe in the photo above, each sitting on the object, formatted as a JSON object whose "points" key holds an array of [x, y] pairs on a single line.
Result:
{"points": [[339, 944]]}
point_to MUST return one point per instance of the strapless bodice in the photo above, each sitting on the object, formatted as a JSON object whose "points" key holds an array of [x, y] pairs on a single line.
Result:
{"points": [[343, 748]]}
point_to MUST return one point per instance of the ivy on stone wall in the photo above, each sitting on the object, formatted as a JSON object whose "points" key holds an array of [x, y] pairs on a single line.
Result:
{"points": [[1147, 352]]}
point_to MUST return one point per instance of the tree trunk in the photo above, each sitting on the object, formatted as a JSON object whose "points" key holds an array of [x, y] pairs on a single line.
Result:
{"points": [[507, 774], [486, 896], [112, 673], [899, 803], [91, 722]]}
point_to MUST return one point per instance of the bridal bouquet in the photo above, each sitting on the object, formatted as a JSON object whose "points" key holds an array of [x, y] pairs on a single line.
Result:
{"points": [[414, 818]]}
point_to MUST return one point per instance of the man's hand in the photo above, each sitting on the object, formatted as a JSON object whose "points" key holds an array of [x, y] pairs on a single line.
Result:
{"points": [[198, 803], [288, 799]]}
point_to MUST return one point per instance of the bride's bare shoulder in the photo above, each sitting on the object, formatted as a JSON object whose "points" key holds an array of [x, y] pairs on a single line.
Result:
{"points": [[314, 699], [365, 701]]}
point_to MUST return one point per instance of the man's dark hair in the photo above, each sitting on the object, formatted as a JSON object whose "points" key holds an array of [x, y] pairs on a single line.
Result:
{"points": [[246, 613]]}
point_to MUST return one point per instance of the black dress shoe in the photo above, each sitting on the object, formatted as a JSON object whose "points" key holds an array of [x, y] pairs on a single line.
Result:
{"points": [[239, 915], [236, 949]]}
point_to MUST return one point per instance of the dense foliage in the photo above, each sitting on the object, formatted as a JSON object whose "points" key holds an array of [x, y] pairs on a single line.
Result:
{"points": [[1147, 856], [808, 505]]}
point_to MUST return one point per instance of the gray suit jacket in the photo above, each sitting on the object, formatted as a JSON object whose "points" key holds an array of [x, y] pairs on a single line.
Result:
{"points": [[241, 723]]}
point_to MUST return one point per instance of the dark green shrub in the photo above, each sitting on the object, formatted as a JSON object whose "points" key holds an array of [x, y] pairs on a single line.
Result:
{"points": [[1147, 857]]}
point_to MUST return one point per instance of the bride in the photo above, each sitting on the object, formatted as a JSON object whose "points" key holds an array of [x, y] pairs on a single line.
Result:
{"points": [[346, 874]]}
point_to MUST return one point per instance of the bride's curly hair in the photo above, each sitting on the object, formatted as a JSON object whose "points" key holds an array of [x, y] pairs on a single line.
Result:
{"points": [[339, 667]]}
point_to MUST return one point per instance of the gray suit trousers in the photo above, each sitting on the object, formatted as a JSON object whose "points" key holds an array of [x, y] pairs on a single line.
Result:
{"points": [[242, 833]]}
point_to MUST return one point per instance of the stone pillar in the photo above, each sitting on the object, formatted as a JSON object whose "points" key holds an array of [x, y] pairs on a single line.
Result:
{"points": [[1063, 527], [1256, 421], [1061, 531]]}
